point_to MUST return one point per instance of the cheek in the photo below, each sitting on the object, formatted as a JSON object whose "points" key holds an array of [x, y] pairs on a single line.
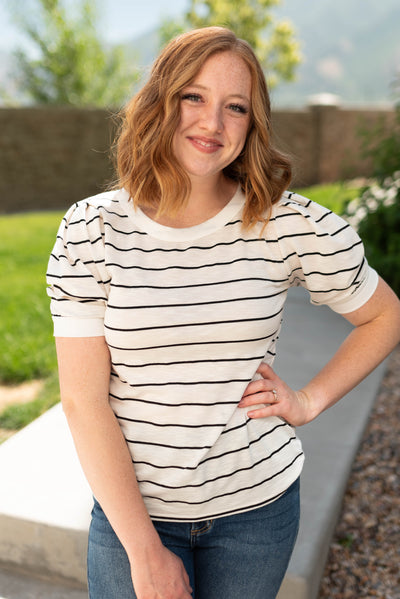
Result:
{"points": [[241, 135], [187, 117]]}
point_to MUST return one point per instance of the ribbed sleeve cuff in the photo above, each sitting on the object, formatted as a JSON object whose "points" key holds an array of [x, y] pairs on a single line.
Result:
{"points": [[359, 298], [66, 326]]}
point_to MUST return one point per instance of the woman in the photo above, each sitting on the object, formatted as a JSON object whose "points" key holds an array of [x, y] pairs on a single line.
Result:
{"points": [[167, 297]]}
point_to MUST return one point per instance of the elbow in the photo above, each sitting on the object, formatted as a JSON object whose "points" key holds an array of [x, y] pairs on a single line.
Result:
{"points": [[73, 407], [390, 319], [83, 407]]}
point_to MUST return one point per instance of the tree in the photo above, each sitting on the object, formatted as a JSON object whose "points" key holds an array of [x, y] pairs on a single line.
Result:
{"points": [[273, 42], [70, 64]]}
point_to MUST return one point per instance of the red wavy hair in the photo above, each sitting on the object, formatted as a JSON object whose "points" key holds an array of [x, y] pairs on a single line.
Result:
{"points": [[146, 165]]}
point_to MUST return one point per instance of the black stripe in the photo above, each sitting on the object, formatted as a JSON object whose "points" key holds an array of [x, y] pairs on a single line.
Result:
{"points": [[164, 445], [208, 303], [313, 291], [299, 215], [131, 232], [91, 241], [159, 425], [180, 267], [222, 476], [347, 226], [221, 342], [195, 324], [359, 271], [187, 383], [323, 255], [171, 405], [78, 260], [234, 222], [191, 247], [114, 213], [248, 488], [220, 282], [295, 202], [215, 457], [80, 301], [91, 299], [175, 363], [224, 432], [330, 274], [88, 276]]}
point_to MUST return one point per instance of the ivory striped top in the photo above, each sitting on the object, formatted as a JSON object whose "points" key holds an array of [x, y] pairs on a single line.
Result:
{"points": [[188, 315]]}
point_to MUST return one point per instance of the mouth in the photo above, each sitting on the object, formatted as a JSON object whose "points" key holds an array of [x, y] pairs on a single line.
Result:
{"points": [[205, 144]]}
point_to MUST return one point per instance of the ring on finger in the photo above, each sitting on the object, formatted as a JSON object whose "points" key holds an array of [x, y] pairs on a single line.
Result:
{"points": [[275, 394]]}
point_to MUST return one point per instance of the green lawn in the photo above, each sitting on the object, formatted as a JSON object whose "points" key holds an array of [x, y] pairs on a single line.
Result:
{"points": [[26, 344], [332, 195], [26, 340]]}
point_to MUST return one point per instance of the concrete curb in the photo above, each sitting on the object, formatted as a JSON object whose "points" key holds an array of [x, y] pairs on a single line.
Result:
{"points": [[309, 337], [46, 501], [45, 504]]}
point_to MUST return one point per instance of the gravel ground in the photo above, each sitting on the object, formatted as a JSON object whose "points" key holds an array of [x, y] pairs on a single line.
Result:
{"points": [[364, 557]]}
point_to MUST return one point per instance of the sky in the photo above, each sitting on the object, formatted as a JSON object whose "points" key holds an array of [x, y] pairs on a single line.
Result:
{"points": [[120, 19]]}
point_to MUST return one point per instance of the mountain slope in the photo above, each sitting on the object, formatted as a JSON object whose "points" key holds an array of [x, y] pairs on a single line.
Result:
{"points": [[350, 48]]}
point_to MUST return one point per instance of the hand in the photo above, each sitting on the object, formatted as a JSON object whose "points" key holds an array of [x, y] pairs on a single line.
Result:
{"points": [[161, 576], [278, 399]]}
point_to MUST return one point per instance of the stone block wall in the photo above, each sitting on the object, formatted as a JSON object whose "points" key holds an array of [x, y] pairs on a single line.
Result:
{"points": [[326, 141], [51, 157]]}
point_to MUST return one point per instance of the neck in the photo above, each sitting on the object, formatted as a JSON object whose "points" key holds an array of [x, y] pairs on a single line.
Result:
{"points": [[207, 198], [210, 194]]}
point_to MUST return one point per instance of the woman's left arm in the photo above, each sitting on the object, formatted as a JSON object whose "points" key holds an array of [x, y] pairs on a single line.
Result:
{"points": [[376, 333]]}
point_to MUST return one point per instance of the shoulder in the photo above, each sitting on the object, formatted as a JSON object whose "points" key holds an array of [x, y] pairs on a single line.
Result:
{"points": [[298, 215], [107, 202], [294, 204], [322, 252], [88, 217]]}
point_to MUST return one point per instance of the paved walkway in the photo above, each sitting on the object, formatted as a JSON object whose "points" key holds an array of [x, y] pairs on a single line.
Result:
{"points": [[45, 501]]}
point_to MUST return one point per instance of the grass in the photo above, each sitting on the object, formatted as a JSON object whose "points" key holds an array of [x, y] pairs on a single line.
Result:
{"points": [[15, 417], [26, 343], [26, 340], [334, 196]]}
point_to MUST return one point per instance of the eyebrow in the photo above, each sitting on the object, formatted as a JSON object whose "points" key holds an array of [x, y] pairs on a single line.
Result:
{"points": [[204, 87]]}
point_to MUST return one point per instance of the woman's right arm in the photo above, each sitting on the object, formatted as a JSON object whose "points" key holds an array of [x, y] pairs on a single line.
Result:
{"points": [[84, 373]]}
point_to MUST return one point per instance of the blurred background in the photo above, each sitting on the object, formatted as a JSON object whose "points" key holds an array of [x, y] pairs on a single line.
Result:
{"points": [[347, 48]]}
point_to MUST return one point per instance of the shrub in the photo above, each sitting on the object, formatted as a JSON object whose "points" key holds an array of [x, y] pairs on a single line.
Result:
{"points": [[376, 216], [383, 146]]}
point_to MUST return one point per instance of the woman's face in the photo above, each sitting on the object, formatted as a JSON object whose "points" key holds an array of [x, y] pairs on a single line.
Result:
{"points": [[215, 117]]}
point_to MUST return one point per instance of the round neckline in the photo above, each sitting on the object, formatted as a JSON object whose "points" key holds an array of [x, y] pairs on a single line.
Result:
{"points": [[219, 220]]}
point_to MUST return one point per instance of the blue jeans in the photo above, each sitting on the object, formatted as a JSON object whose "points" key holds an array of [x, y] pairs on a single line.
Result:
{"points": [[244, 556]]}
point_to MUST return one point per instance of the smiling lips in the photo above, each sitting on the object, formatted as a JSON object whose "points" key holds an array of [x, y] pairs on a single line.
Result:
{"points": [[205, 144]]}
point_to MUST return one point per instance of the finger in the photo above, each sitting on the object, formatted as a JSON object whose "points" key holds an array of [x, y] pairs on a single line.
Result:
{"points": [[266, 370], [274, 394], [264, 412], [259, 385], [255, 393]]}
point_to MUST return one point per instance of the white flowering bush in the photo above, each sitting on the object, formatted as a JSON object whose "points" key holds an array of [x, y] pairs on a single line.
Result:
{"points": [[372, 197], [376, 216]]}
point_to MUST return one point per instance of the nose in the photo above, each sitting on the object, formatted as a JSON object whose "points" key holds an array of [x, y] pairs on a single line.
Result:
{"points": [[212, 118]]}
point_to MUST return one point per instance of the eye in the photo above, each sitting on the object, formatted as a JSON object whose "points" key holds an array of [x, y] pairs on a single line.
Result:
{"points": [[191, 97], [238, 108]]}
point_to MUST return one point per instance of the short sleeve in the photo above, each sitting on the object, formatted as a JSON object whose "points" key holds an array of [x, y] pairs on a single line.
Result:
{"points": [[78, 282], [323, 253]]}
